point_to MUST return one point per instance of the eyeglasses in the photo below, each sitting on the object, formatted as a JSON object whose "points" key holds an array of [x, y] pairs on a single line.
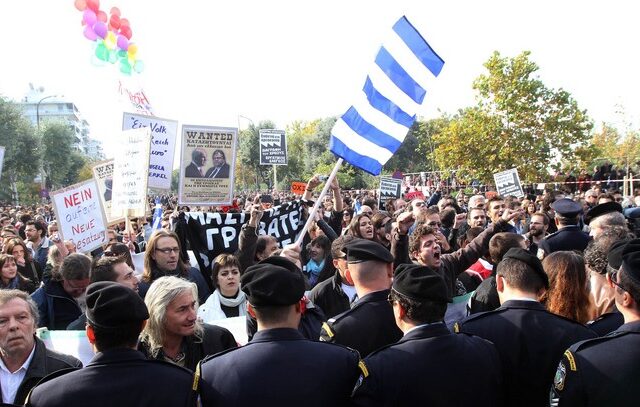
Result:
{"points": [[418, 204], [613, 274], [169, 250]]}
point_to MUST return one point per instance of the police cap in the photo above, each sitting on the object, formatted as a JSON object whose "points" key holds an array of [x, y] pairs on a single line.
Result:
{"points": [[602, 209], [532, 261], [567, 208], [631, 260], [419, 283], [111, 305], [359, 250], [266, 284]]}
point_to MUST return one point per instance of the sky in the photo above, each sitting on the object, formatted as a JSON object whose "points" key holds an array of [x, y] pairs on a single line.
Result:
{"points": [[226, 63]]}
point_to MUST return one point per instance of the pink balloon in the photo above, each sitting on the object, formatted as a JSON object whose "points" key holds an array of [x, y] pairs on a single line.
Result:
{"points": [[100, 29], [123, 42], [89, 17], [115, 11], [89, 33]]}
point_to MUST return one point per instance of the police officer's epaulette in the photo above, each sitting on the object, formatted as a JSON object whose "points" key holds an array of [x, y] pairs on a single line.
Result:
{"points": [[50, 377], [171, 365], [215, 355], [595, 341], [474, 317]]}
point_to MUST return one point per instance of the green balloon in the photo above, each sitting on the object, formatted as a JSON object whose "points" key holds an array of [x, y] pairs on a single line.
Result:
{"points": [[102, 52], [138, 66], [125, 67], [122, 53], [113, 56]]}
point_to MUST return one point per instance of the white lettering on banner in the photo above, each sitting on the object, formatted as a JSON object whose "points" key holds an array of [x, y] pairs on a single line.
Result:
{"points": [[228, 234]]}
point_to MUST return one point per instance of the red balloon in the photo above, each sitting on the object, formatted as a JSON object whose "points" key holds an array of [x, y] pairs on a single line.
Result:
{"points": [[115, 11], [125, 22], [102, 16], [81, 5], [93, 5], [114, 21], [126, 31]]}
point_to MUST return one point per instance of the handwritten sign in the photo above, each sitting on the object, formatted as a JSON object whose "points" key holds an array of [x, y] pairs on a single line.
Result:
{"points": [[80, 216], [414, 195], [131, 173], [163, 146], [298, 187], [133, 96]]}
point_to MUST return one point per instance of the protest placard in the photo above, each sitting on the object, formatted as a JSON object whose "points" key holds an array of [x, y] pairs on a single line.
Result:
{"points": [[132, 96], [273, 147], [508, 183], [390, 188], [103, 175], [298, 187], [163, 146], [202, 183], [131, 174], [78, 209], [414, 195]]}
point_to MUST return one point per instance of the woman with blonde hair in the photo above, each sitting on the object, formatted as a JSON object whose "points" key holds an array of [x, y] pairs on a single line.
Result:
{"points": [[173, 332], [568, 293]]}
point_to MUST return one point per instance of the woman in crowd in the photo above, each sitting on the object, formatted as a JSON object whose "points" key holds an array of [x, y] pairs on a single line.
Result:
{"points": [[173, 332], [22, 255], [10, 278], [227, 300], [347, 217], [568, 293], [361, 227], [319, 267]]}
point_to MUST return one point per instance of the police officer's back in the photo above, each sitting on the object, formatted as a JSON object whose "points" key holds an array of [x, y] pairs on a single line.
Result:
{"points": [[369, 324], [279, 367], [118, 375], [605, 371], [569, 235], [529, 339], [429, 365]]}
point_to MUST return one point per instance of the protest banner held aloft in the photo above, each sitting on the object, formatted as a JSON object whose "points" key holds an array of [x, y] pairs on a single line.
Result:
{"points": [[131, 174], [273, 147]]}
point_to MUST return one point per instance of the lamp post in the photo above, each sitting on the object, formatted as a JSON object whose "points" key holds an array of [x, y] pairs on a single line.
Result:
{"points": [[43, 174], [38, 108]]}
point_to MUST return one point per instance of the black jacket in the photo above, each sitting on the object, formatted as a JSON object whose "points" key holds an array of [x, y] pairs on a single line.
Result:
{"points": [[44, 362], [57, 308], [328, 295]]}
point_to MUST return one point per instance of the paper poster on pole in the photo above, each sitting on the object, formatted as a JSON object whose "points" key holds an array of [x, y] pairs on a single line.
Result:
{"points": [[508, 183], [103, 175], [131, 173], [81, 219], [298, 187], [390, 188], [273, 147], [1, 160], [132, 96], [163, 146], [207, 165]]}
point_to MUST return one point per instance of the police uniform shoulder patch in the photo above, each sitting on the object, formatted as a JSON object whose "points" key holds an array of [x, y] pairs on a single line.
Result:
{"points": [[559, 378], [326, 329], [363, 368], [572, 361], [456, 328]]}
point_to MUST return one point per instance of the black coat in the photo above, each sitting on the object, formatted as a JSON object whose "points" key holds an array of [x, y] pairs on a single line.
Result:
{"points": [[367, 326], [602, 371], [118, 377], [607, 323], [430, 364], [566, 239], [191, 171], [43, 363], [279, 367], [328, 295], [57, 308], [530, 341]]}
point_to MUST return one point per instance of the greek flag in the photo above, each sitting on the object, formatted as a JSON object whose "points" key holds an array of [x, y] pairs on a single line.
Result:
{"points": [[157, 216], [374, 127]]}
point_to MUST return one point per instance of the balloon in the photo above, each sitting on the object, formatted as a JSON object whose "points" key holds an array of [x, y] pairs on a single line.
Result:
{"points": [[89, 33], [125, 67], [122, 54], [100, 29], [138, 66], [114, 21], [126, 31], [89, 17], [115, 11], [133, 50], [93, 5], [110, 40], [81, 5], [123, 42], [102, 16], [125, 22], [113, 56], [102, 52]]}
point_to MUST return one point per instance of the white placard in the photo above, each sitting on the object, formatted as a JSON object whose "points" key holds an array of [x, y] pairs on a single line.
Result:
{"points": [[508, 183], [131, 174]]}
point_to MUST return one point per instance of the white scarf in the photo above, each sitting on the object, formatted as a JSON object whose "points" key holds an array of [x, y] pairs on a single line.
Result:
{"points": [[212, 311]]}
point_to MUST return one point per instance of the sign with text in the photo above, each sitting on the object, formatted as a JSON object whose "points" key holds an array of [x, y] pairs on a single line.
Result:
{"points": [[132, 95], [80, 216], [414, 195], [298, 187], [207, 165], [131, 173], [508, 183], [163, 146], [103, 175], [390, 188], [273, 147]]}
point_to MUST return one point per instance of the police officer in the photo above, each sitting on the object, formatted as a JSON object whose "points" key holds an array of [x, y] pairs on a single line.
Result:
{"points": [[420, 368], [369, 324], [605, 371], [569, 236], [279, 367], [529, 339], [118, 375]]}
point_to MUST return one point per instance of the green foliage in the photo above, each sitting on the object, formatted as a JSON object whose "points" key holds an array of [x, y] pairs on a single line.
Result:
{"points": [[77, 162], [57, 141], [175, 179]]}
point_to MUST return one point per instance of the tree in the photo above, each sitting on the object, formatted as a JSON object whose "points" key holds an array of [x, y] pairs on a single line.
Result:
{"points": [[77, 162], [517, 122], [57, 140]]}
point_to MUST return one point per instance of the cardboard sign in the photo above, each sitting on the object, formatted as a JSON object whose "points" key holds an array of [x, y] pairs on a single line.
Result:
{"points": [[273, 147], [508, 183], [131, 174], [163, 146], [298, 187], [390, 188], [78, 209], [409, 196], [103, 175]]}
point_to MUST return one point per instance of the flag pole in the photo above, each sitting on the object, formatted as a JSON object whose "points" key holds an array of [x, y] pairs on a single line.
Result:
{"points": [[318, 202]]}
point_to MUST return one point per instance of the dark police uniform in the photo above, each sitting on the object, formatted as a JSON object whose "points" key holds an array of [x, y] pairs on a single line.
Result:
{"points": [[569, 237], [530, 341], [606, 323], [600, 372]]}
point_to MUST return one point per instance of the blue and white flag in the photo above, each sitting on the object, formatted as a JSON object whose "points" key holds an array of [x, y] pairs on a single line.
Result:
{"points": [[157, 216], [374, 127]]}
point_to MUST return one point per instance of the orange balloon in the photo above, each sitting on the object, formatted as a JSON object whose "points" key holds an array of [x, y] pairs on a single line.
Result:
{"points": [[81, 5]]}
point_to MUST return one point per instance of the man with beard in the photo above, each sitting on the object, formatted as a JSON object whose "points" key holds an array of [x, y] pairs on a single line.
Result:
{"points": [[37, 242], [496, 207], [538, 226], [61, 302]]}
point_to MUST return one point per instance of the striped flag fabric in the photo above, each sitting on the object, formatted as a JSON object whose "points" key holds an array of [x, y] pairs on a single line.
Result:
{"points": [[375, 126], [157, 216]]}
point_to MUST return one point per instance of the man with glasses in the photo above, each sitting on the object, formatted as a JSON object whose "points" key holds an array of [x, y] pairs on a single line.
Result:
{"points": [[220, 167], [605, 371]]}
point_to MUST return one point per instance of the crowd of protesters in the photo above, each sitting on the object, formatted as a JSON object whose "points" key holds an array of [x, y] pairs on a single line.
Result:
{"points": [[455, 287]]}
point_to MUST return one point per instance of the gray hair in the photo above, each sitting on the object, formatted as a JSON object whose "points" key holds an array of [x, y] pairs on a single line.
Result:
{"points": [[8, 295], [161, 293], [608, 220]]}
